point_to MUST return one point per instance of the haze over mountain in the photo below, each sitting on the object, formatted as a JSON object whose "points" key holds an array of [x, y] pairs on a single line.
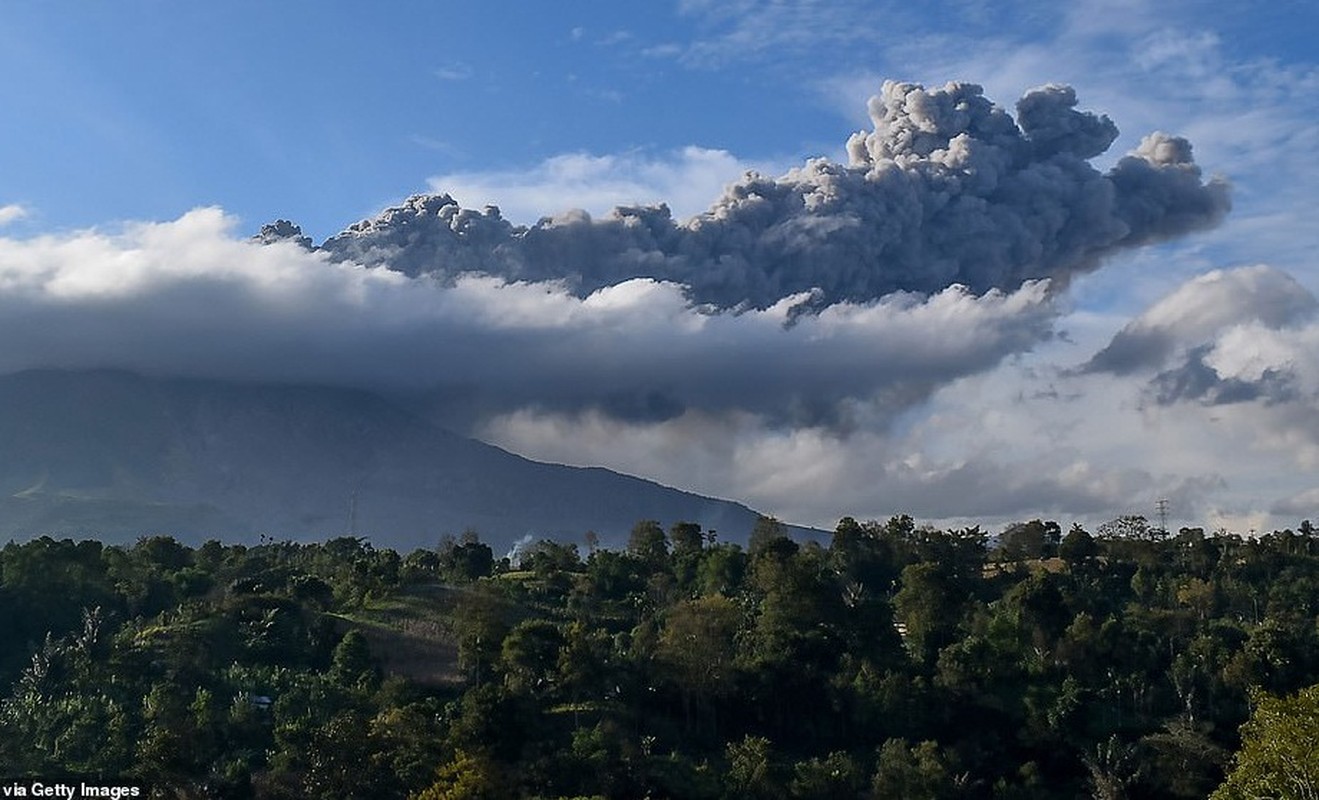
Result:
{"points": [[117, 455]]}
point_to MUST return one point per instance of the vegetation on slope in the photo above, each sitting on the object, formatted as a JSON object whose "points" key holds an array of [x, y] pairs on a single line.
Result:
{"points": [[899, 661]]}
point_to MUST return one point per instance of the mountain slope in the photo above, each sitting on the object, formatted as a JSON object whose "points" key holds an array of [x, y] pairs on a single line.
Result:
{"points": [[119, 455]]}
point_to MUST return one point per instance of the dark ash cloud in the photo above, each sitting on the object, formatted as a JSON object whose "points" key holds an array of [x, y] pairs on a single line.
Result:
{"points": [[947, 189]]}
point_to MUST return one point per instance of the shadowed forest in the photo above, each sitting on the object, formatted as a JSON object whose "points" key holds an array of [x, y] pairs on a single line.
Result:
{"points": [[899, 661]]}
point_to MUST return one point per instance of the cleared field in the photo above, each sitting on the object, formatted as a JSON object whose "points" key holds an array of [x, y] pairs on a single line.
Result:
{"points": [[411, 634]]}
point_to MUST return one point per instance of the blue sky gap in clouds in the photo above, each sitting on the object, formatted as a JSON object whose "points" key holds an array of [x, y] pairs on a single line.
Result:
{"points": [[122, 120]]}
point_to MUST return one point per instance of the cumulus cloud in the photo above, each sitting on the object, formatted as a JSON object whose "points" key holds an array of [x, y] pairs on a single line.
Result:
{"points": [[1201, 307], [1229, 336], [1221, 375], [1196, 379], [188, 297], [946, 189]]}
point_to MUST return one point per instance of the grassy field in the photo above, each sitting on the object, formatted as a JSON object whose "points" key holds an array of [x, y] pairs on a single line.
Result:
{"points": [[412, 633]]}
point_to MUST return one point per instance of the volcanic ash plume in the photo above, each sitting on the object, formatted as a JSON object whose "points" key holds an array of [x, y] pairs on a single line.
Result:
{"points": [[947, 189]]}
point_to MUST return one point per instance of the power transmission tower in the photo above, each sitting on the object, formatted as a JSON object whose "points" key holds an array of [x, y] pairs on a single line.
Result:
{"points": [[1162, 505]]}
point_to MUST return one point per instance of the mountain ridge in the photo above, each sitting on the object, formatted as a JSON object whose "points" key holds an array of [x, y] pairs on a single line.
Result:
{"points": [[116, 454]]}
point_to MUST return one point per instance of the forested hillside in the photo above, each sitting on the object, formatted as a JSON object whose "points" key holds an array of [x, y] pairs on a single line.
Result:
{"points": [[898, 662]]}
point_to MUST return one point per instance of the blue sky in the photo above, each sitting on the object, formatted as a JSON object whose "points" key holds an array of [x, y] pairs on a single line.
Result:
{"points": [[326, 112], [123, 119]]}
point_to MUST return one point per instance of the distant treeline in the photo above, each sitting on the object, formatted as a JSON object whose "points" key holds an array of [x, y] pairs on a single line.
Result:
{"points": [[900, 661]]}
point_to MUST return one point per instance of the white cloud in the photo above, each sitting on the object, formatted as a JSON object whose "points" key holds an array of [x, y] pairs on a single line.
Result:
{"points": [[1029, 437], [456, 71], [1208, 398], [749, 29], [759, 405], [815, 475], [187, 297], [12, 213], [688, 180], [1202, 307]]}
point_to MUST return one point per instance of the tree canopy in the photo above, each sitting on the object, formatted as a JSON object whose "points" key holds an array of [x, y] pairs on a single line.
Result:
{"points": [[899, 660]]}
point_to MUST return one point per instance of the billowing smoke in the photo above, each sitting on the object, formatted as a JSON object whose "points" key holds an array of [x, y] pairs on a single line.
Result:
{"points": [[948, 189], [835, 297]]}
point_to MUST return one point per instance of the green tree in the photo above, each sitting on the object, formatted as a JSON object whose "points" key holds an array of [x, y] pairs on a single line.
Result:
{"points": [[836, 775], [468, 776], [1026, 540], [864, 555], [172, 747], [338, 760], [1112, 769], [351, 664], [721, 569], [696, 646], [688, 540], [1041, 608], [687, 537], [584, 661], [467, 561], [480, 625], [929, 606], [1279, 755], [529, 656], [919, 772], [1078, 546], [751, 770], [407, 740], [647, 543], [1183, 761], [766, 531]]}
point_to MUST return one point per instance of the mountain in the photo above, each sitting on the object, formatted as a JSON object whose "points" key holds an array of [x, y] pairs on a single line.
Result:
{"points": [[117, 455]]}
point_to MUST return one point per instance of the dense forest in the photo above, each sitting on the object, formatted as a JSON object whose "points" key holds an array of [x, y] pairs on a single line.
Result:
{"points": [[900, 661]]}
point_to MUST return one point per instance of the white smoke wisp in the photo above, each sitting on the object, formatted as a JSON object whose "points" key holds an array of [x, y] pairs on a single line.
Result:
{"points": [[946, 189]]}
